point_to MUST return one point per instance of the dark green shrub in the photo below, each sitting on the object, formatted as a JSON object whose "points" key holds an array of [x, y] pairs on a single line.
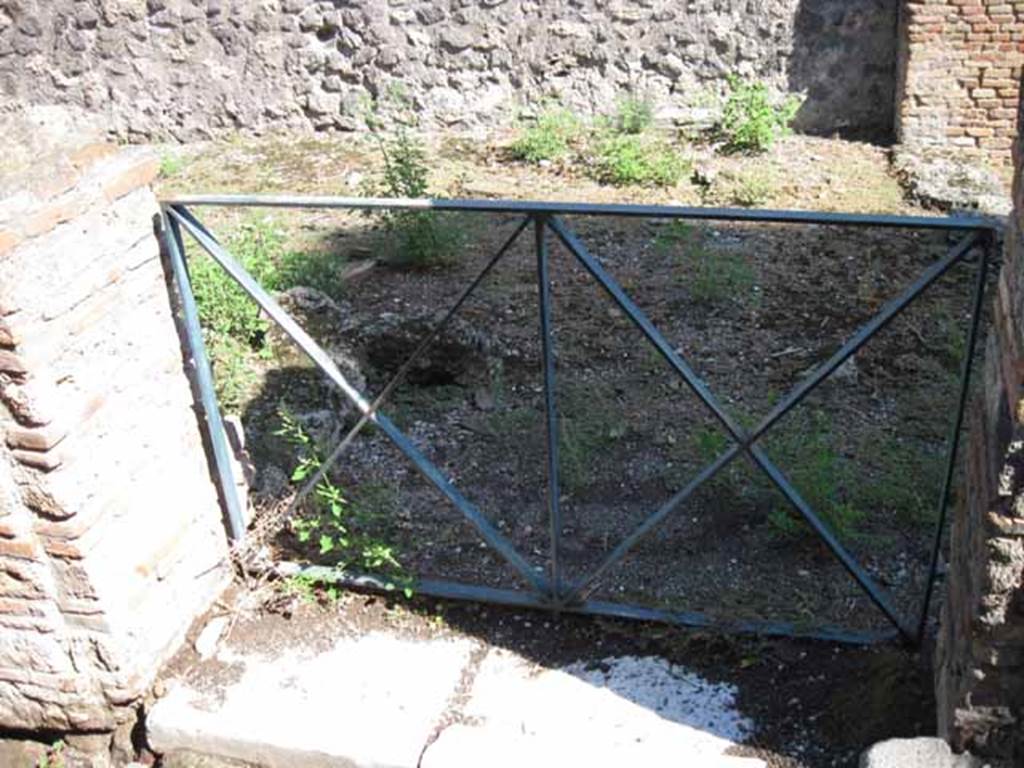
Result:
{"points": [[752, 119]]}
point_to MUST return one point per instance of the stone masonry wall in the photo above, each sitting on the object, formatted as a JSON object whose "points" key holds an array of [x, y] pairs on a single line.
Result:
{"points": [[980, 653], [111, 538], [960, 66], [187, 69]]}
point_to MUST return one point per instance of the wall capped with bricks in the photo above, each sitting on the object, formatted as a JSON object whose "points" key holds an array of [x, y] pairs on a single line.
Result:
{"points": [[959, 81], [980, 651], [111, 537]]}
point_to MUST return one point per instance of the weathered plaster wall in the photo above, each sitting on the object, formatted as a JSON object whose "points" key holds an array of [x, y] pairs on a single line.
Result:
{"points": [[111, 539], [187, 69], [980, 653]]}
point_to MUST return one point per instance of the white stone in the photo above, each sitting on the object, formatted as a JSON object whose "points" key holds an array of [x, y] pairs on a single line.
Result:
{"points": [[206, 642], [367, 701], [465, 746], [621, 711], [924, 752]]}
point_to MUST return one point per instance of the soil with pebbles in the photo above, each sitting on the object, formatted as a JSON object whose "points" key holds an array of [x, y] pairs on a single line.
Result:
{"points": [[753, 309]]}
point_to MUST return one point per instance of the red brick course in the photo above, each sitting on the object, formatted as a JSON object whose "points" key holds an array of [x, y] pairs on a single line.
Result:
{"points": [[962, 63]]}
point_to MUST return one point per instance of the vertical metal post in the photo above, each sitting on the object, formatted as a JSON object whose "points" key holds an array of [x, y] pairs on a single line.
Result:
{"points": [[204, 378], [953, 445], [550, 405]]}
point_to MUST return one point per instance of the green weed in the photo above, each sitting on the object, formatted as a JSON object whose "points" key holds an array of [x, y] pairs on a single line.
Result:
{"points": [[752, 189], [805, 450], [634, 115], [226, 309], [905, 481], [590, 423], [549, 138], [675, 234], [752, 119], [332, 522], [709, 444], [418, 238], [54, 757], [317, 269], [301, 586], [170, 165], [234, 367], [630, 158], [712, 275], [233, 327]]}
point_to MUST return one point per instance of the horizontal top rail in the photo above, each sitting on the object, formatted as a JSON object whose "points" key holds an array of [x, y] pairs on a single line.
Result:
{"points": [[553, 208]]}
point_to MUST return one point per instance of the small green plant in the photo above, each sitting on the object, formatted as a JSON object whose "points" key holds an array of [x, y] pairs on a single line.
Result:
{"points": [[226, 309], [634, 114], [317, 269], [590, 424], [752, 119], [332, 522], [712, 275], [170, 165], [752, 189], [54, 757], [709, 444], [419, 238], [549, 138], [233, 327], [234, 366], [628, 158], [673, 235], [302, 586], [807, 454], [905, 482]]}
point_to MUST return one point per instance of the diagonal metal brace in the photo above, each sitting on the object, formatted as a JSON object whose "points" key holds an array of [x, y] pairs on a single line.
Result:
{"points": [[400, 374], [323, 361], [743, 441]]}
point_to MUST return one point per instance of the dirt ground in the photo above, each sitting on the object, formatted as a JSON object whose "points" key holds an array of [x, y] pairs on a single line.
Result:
{"points": [[813, 704], [752, 308]]}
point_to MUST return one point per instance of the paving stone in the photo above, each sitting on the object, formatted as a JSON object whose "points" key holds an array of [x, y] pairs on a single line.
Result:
{"points": [[368, 701], [614, 712], [464, 746]]}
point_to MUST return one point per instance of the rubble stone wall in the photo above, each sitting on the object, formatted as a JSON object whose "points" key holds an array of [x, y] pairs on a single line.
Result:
{"points": [[188, 69], [111, 537]]}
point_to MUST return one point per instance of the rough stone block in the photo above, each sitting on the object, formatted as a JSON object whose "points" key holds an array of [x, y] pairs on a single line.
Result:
{"points": [[381, 719], [37, 438], [924, 752], [136, 173]]}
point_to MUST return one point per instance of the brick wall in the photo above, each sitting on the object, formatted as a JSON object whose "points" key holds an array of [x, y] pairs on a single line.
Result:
{"points": [[980, 653], [960, 69], [111, 539]]}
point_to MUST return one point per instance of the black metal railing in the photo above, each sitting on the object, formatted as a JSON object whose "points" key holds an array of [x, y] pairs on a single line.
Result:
{"points": [[550, 589]]}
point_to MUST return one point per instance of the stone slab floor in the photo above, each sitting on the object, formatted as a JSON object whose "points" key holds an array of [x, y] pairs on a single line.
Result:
{"points": [[387, 700]]}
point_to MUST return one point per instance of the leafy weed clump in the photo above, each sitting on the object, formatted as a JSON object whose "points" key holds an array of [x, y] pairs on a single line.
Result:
{"points": [[549, 138], [752, 189], [635, 114], [340, 529], [630, 158], [234, 328], [418, 239], [807, 453], [713, 275], [752, 119]]}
